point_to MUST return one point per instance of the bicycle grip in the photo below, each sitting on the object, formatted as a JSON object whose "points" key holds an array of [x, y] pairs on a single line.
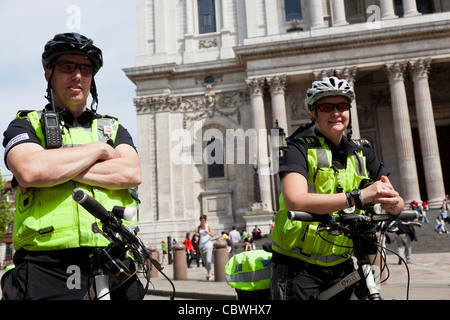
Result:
{"points": [[90, 204], [306, 216], [408, 215]]}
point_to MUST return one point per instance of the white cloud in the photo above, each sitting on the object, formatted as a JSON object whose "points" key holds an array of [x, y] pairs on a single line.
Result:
{"points": [[27, 25]]}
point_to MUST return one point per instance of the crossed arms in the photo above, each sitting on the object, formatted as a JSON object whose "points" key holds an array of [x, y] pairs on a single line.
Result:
{"points": [[96, 164]]}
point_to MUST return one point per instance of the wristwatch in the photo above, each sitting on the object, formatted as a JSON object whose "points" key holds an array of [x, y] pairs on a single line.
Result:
{"points": [[356, 195], [350, 207], [349, 199]]}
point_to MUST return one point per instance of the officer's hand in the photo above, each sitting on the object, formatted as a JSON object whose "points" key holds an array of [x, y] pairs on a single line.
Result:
{"points": [[106, 152]]}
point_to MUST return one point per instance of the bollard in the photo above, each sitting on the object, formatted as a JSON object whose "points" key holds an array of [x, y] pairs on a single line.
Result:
{"points": [[154, 273], [220, 259], [179, 262]]}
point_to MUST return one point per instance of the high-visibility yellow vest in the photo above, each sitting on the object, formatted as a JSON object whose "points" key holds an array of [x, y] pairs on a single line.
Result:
{"points": [[49, 218], [249, 270], [298, 239]]}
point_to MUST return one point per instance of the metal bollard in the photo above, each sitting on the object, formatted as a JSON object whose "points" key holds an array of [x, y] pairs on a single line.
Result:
{"points": [[220, 259], [179, 262], [155, 256]]}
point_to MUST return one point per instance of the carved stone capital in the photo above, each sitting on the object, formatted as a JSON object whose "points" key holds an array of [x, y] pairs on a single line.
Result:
{"points": [[255, 86], [277, 84], [420, 68], [396, 70]]}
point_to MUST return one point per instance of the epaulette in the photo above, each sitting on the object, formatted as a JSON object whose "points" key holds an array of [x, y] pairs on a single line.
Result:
{"points": [[98, 116], [361, 142], [23, 113], [311, 141]]}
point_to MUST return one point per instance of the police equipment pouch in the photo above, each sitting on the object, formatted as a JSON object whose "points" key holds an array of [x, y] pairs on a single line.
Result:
{"points": [[51, 129]]}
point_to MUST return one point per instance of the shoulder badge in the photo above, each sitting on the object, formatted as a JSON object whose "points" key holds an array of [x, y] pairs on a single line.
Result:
{"points": [[311, 142], [361, 142]]}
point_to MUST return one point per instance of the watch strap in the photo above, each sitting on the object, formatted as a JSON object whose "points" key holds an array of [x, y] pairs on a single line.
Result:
{"points": [[349, 199], [357, 198]]}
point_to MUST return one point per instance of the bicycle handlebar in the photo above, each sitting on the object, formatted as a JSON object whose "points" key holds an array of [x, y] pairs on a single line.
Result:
{"points": [[311, 217], [97, 210], [90, 204]]}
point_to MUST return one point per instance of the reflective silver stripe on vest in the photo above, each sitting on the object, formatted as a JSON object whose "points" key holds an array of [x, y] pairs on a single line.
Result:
{"points": [[253, 276], [101, 124], [322, 158], [359, 164], [314, 257]]}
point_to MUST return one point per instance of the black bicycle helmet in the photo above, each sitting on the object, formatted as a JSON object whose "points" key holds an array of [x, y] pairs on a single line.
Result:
{"points": [[71, 43]]}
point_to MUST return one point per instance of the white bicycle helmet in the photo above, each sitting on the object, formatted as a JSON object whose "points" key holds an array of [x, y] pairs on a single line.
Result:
{"points": [[327, 87]]}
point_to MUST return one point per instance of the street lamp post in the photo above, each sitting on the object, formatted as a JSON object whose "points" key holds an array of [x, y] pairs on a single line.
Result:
{"points": [[278, 141]]}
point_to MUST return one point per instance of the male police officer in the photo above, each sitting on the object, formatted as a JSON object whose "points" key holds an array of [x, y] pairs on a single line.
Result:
{"points": [[81, 149]]}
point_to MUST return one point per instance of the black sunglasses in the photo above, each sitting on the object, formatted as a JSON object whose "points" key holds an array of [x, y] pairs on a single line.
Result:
{"points": [[69, 67], [328, 107]]}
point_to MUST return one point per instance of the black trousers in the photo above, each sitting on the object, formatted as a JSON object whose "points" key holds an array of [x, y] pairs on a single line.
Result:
{"points": [[60, 275], [294, 279]]}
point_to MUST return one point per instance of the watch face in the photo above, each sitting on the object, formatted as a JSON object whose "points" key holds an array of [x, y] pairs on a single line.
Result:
{"points": [[349, 210], [356, 192]]}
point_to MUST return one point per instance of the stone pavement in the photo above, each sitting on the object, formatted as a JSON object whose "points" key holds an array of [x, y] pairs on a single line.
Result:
{"points": [[429, 280]]}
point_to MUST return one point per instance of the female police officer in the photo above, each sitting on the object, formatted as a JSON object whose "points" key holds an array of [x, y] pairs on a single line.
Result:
{"points": [[321, 174]]}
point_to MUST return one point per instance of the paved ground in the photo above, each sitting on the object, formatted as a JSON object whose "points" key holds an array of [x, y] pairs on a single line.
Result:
{"points": [[429, 280]]}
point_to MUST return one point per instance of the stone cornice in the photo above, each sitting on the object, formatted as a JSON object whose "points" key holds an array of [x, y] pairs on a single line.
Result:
{"points": [[352, 37], [345, 40]]}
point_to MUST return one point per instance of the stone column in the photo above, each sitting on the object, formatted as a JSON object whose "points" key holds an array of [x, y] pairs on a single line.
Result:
{"points": [[316, 12], [339, 18], [189, 55], [277, 90], [427, 133], [410, 8], [226, 51], [402, 132], [387, 9], [256, 87]]}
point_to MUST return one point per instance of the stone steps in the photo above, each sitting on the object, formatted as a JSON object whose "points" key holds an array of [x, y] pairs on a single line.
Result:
{"points": [[428, 240]]}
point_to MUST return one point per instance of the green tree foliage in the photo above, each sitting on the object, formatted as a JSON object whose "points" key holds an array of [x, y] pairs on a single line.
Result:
{"points": [[7, 211]]}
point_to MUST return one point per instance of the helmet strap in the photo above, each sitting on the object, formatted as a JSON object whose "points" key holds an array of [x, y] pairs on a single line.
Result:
{"points": [[349, 127], [94, 94]]}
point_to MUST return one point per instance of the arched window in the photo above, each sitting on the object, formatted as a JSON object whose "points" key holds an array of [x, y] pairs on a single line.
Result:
{"points": [[215, 158], [206, 16], [293, 10]]}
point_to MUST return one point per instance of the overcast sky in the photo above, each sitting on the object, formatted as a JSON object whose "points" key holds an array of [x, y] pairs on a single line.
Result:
{"points": [[26, 25]]}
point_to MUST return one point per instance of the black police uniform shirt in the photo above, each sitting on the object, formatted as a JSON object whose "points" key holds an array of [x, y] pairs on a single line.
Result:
{"points": [[22, 131], [295, 156]]}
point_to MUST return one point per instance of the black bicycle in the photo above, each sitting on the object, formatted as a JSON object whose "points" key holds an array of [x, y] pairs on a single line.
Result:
{"points": [[362, 229], [123, 241]]}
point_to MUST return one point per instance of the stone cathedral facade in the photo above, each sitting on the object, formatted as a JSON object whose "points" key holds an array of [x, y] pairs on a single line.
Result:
{"points": [[215, 77]]}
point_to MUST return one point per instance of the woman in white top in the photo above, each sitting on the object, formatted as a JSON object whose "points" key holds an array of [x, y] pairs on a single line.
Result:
{"points": [[205, 233]]}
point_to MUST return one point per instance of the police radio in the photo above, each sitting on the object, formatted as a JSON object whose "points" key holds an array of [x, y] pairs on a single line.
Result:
{"points": [[51, 128]]}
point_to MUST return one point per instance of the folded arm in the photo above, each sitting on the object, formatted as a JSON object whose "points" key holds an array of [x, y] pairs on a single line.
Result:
{"points": [[97, 164]]}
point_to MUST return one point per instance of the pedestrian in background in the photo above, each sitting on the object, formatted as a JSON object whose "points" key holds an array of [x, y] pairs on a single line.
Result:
{"points": [[234, 238], [189, 249], [205, 246]]}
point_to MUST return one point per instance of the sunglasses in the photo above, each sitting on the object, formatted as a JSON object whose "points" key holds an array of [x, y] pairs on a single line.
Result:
{"points": [[69, 67], [328, 107]]}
